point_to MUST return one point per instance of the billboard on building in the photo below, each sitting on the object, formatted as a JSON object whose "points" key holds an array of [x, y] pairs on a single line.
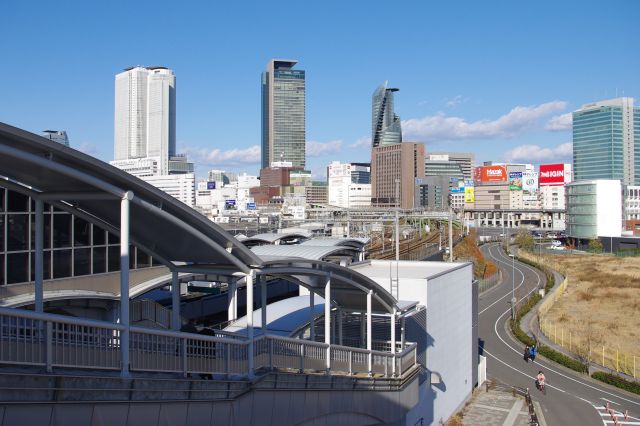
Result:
{"points": [[469, 194], [554, 174], [530, 181], [515, 181], [457, 190], [251, 206], [211, 185], [229, 204], [490, 174]]}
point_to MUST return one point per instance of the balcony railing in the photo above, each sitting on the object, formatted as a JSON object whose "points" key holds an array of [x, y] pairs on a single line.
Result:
{"points": [[29, 338]]}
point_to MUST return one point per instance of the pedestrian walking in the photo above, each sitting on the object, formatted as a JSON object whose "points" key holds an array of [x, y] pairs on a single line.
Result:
{"points": [[525, 355]]}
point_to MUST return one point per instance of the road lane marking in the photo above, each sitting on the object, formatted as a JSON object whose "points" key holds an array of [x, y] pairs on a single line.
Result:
{"points": [[548, 368]]}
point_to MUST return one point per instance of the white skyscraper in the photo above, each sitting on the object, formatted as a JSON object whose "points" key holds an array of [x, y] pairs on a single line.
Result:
{"points": [[145, 115]]}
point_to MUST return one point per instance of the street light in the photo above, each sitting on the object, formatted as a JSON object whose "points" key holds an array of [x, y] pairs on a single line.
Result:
{"points": [[513, 286]]}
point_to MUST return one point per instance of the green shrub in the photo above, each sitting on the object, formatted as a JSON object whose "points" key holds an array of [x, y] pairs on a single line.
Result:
{"points": [[617, 381]]}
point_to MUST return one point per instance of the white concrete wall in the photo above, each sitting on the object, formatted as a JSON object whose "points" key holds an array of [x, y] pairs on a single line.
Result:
{"points": [[449, 347], [609, 208]]}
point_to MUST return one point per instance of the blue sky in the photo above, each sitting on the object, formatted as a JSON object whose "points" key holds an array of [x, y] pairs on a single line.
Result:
{"points": [[494, 78]]}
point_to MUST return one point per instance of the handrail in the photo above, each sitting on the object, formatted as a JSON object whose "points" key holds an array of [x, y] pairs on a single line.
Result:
{"points": [[56, 340]]}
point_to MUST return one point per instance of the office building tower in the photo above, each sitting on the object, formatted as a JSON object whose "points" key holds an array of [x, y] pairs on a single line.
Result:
{"points": [[606, 141], [59, 136], [449, 164], [385, 124], [394, 169], [283, 114], [145, 115]]}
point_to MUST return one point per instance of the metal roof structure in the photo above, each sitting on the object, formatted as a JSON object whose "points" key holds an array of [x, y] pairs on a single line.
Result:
{"points": [[274, 238], [303, 251], [330, 242], [162, 226], [349, 288]]}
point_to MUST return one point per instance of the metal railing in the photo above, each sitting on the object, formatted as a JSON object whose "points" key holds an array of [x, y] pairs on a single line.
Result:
{"points": [[146, 310], [29, 338]]}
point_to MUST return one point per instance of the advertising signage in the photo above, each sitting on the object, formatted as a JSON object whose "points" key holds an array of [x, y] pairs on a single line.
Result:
{"points": [[491, 174], [515, 181], [211, 185], [469, 194], [530, 181], [229, 204], [552, 174]]}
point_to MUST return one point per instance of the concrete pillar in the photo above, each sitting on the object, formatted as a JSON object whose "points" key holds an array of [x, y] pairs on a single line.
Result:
{"points": [[340, 326], [450, 235], [124, 282], [39, 253], [363, 329], [175, 301], [312, 319], [249, 281], [232, 300], [393, 338], [327, 320], [403, 333], [369, 321], [263, 300]]}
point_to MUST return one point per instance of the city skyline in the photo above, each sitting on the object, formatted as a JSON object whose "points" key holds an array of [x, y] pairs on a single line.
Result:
{"points": [[502, 98]]}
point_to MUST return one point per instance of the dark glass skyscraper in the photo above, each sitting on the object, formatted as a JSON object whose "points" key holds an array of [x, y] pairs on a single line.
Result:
{"points": [[283, 113], [385, 123]]}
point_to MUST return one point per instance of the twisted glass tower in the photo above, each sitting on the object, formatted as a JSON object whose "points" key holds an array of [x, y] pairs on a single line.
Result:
{"points": [[385, 123]]}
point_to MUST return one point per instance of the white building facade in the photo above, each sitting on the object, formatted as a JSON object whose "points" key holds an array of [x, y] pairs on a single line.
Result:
{"points": [[342, 190], [145, 115], [594, 209], [181, 187]]}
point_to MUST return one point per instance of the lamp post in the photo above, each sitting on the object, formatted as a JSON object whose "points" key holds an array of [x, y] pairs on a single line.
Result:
{"points": [[513, 286], [397, 220]]}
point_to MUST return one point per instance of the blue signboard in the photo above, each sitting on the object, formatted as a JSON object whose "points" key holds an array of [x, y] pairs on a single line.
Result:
{"points": [[229, 203], [251, 206], [457, 190], [211, 185]]}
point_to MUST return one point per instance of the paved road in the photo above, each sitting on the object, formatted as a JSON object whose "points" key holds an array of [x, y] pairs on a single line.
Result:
{"points": [[571, 398]]}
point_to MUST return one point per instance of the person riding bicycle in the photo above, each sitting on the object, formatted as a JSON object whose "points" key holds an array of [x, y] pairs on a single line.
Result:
{"points": [[540, 380]]}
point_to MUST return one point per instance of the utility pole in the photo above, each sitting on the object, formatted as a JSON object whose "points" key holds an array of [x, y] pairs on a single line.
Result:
{"points": [[397, 220], [450, 235]]}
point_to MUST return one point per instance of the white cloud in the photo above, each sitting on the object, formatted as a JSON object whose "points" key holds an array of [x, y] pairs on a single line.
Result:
{"points": [[560, 123], [318, 149], [455, 101], [534, 153], [439, 127], [364, 141], [217, 157]]}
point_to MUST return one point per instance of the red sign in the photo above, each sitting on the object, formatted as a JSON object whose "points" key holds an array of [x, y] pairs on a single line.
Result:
{"points": [[551, 174], [491, 174]]}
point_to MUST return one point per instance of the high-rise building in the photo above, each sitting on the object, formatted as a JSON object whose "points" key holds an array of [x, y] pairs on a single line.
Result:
{"points": [[385, 124], [606, 141], [145, 115], [449, 164], [59, 136], [283, 114], [394, 169]]}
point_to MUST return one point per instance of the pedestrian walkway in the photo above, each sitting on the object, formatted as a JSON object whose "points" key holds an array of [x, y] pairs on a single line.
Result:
{"points": [[496, 407]]}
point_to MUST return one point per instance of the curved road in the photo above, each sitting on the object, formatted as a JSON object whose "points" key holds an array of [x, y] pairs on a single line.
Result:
{"points": [[571, 398]]}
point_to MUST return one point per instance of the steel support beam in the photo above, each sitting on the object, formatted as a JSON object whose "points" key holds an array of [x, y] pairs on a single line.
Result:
{"points": [[175, 301], [39, 257], [124, 282]]}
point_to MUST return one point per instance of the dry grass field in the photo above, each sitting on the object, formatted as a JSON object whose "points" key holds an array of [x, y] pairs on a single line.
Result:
{"points": [[601, 304]]}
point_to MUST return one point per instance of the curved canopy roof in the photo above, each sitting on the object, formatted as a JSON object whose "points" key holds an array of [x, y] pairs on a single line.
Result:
{"points": [[303, 251], [271, 238], [332, 242], [159, 224], [348, 288]]}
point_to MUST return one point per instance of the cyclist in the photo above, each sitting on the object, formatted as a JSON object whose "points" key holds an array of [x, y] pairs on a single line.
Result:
{"points": [[540, 381]]}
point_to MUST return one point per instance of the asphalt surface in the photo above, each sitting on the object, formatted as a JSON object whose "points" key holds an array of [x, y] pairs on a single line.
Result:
{"points": [[571, 398]]}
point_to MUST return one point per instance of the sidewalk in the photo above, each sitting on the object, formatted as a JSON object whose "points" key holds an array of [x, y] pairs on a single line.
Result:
{"points": [[496, 407]]}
